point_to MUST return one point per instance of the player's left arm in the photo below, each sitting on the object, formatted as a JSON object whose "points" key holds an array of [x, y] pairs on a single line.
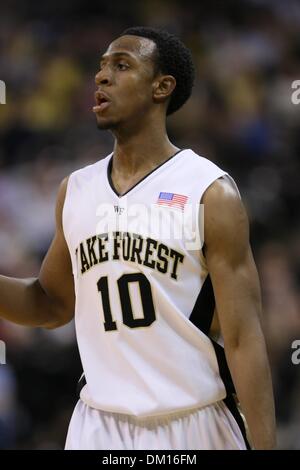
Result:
{"points": [[238, 301]]}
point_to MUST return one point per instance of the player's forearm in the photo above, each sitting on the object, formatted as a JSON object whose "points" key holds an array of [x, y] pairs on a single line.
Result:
{"points": [[252, 378], [23, 301]]}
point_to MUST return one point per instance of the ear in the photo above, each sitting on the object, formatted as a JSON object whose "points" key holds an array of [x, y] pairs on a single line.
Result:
{"points": [[163, 88]]}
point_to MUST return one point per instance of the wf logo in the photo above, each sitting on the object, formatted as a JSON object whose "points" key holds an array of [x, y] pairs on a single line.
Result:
{"points": [[2, 353], [2, 92]]}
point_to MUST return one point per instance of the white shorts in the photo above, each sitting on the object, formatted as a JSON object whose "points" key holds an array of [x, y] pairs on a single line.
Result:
{"points": [[212, 427]]}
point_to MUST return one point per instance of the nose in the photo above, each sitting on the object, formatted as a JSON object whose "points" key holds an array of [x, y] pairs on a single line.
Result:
{"points": [[102, 77]]}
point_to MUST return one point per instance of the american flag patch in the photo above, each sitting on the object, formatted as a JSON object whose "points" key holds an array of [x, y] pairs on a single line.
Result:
{"points": [[177, 201]]}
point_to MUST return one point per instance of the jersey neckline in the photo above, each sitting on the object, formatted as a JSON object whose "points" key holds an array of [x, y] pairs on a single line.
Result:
{"points": [[110, 182]]}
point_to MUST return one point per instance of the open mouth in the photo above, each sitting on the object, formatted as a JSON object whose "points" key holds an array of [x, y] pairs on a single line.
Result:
{"points": [[102, 102]]}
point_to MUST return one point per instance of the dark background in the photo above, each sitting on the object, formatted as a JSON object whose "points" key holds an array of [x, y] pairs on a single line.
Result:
{"points": [[247, 55]]}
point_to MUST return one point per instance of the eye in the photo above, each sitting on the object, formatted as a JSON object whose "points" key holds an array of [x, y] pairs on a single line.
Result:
{"points": [[122, 66]]}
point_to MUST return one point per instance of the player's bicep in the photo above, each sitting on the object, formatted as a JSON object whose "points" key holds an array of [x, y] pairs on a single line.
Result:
{"points": [[230, 262], [55, 275]]}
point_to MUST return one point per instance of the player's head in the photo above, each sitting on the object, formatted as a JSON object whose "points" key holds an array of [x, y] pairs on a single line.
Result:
{"points": [[145, 70]]}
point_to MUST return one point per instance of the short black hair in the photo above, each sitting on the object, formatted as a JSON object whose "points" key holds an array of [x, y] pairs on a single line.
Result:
{"points": [[173, 58]]}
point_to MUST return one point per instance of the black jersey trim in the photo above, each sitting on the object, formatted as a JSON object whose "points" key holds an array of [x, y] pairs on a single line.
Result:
{"points": [[201, 317], [109, 168], [203, 311]]}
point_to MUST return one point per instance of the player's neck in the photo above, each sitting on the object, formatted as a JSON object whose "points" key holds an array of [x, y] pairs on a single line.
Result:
{"points": [[142, 151]]}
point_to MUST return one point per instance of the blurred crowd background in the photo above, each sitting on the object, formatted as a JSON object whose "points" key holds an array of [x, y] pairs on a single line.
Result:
{"points": [[247, 54]]}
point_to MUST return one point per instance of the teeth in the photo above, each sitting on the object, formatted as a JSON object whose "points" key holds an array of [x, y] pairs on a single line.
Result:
{"points": [[101, 100]]}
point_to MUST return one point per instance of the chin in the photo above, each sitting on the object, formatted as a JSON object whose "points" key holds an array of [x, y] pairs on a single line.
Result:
{"points": [[103, 124]]}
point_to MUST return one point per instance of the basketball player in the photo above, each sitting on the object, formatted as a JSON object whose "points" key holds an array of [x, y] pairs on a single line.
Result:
{"points": [[153, 313]]}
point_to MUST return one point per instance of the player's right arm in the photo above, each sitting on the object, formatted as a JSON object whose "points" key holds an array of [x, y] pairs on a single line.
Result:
{"points": [[47, 301]]}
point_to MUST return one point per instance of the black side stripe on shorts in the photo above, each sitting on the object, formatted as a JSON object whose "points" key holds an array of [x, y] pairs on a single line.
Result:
{"points": [[230, 389]]}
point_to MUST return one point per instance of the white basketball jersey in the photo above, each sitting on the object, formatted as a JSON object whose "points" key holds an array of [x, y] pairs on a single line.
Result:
{"points": [[141, 283]]}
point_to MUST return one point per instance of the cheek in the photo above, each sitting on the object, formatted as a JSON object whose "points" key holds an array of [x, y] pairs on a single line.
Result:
{"points": [[143, 95], [137, 93]]}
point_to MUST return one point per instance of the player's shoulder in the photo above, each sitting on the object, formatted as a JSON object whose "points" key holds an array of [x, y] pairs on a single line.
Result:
{"points": [[200, 161], [223, 189]]}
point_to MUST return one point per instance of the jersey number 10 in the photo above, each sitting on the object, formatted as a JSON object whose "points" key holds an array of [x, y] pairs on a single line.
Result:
{"points": [[126, 304]]}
